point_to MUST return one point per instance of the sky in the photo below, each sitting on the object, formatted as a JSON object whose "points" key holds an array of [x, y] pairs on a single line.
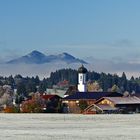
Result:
{"points": [[100, 29]]}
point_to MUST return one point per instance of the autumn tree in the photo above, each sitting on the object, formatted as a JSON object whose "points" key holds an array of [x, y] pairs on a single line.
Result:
{"points": [[12, 109], [35, 105], [93, 86], [115, 88]]}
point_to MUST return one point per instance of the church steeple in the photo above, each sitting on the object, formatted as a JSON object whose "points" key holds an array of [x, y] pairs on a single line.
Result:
{"points": [[82, 79]]}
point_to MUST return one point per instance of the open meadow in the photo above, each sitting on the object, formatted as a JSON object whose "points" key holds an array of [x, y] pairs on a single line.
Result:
{"points": [[69, 127]]}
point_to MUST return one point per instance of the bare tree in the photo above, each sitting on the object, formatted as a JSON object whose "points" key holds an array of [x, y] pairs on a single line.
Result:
{"points": [[6, 95]]}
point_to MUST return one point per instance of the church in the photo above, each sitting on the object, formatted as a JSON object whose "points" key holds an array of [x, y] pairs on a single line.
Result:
{"points": [[81, 98]]}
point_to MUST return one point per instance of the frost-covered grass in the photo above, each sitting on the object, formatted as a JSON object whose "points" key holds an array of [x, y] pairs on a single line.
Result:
{"points": [[69, 127]]}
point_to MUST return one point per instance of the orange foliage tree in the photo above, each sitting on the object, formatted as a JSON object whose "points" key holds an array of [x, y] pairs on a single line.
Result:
{"points": [[35, 105], [11, 109]]}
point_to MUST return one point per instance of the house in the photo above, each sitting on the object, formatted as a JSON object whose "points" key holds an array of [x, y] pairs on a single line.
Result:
{"points": [[114, 105], [90, 97]]}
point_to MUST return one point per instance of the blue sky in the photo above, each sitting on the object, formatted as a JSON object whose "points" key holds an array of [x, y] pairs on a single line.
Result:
{"points": [[103, 29]]}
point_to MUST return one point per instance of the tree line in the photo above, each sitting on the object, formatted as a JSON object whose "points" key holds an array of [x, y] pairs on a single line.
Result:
{"points": [[26, 85], [106, 81]]}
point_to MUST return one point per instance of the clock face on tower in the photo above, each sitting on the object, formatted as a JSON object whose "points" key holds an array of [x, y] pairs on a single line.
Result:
{"points": [[81, 77]]}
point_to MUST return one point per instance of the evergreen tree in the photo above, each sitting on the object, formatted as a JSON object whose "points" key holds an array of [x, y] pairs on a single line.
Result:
{"points": [[21, 89], [42, 86], [124, 82]]}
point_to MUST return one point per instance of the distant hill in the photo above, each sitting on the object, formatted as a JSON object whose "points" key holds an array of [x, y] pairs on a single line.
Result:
{"points": [[106, 81], [36, 57]]}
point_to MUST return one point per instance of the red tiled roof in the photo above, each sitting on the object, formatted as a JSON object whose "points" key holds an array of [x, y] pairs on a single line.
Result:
{"points": [[63, 83], [46, 97]]}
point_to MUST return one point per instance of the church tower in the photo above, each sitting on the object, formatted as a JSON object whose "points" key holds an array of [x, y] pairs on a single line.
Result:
{"points": [[82, 79]]}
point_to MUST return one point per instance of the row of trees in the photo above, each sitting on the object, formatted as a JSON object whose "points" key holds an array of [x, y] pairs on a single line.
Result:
{"points": [[24, 85], [101, 81]]}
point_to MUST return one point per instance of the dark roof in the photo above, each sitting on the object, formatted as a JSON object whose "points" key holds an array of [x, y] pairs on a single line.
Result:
{"points": [[92, 95], [82, 69]]}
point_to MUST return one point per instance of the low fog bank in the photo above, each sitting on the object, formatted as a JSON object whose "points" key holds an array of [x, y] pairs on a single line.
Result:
{"points": [[44, 70]]}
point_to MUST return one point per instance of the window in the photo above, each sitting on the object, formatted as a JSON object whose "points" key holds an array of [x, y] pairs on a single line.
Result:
{"points": [[81, 78]]}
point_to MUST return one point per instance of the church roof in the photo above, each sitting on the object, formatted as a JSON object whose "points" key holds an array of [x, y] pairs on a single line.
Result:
{"points": [[92, 95], [82, 69]]}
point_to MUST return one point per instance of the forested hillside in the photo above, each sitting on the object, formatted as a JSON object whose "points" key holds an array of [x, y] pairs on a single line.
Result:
{"points": [[106, 81], [26, 85]]}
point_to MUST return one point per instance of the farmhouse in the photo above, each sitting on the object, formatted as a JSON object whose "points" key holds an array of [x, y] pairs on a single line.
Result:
{"points": [[114, 105]]}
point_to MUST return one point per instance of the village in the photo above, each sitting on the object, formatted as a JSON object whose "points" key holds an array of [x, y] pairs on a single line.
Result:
{"points": [[74, 99]]}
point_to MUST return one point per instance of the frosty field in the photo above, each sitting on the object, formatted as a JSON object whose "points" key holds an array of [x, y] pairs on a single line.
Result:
{"points": [[69, 127]]}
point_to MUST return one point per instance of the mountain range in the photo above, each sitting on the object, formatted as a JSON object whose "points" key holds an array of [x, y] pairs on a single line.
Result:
{"points": [[36, 57], [37, 63]]}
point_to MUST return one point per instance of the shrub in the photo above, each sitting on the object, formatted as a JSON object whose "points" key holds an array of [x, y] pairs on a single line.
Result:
{"points": [[11, 109]]}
